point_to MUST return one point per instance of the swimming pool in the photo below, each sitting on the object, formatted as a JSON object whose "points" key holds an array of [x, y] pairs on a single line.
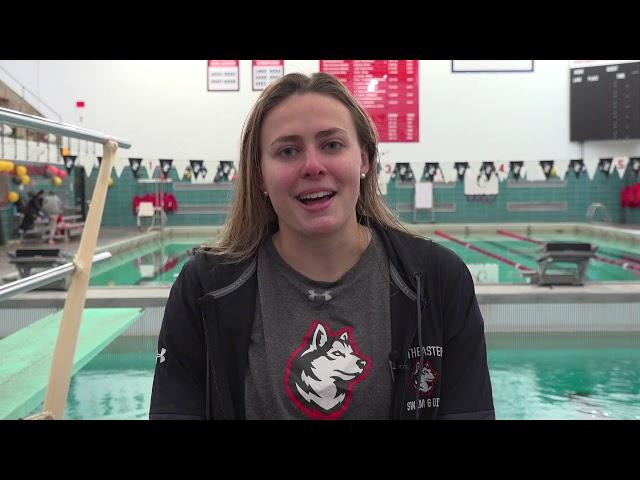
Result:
{"points": [[490, 254], [595, 376], [573, 352], [154, 264]]}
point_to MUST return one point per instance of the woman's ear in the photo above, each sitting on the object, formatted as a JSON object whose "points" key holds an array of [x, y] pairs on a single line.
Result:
{"points": [[364, 156]]}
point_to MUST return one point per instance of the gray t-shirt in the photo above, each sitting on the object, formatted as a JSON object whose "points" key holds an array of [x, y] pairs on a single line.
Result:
{"points": [[319, 350]]}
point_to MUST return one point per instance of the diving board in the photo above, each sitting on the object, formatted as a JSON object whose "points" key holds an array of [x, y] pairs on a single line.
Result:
{"points": [[25, 356]]}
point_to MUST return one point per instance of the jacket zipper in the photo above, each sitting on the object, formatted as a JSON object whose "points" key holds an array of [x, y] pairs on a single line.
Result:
{"points": [[215, 381], [407, 344]]}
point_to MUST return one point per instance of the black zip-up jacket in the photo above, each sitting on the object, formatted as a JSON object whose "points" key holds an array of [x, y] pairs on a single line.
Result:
{"points": [[206, 330]]}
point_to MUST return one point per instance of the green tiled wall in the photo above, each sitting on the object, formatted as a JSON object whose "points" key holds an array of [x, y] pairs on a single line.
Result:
{"points": [[578, 193], [119, 207], [6, 215]]}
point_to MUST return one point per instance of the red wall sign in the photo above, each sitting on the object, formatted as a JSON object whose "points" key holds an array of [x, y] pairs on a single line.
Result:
{"points": [[223, 75], [266, 71], [387, 90]]}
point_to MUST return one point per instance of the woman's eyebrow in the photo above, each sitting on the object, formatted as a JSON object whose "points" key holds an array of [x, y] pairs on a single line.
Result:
{"points": [[329, 132], [287, 138], [321, 134]]}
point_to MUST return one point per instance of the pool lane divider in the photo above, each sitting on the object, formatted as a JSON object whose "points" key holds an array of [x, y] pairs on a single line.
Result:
{"points": [[610, 261], [475, 248]]}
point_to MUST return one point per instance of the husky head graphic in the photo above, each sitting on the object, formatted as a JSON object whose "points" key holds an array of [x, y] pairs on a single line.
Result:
{"points": [[321, 373], [426, 380]]}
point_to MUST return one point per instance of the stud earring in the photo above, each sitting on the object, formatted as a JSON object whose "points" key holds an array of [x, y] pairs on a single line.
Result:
{"points": [[362, 175], [265, 193]]}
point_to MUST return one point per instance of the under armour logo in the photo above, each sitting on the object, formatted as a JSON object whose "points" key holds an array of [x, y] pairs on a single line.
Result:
{"points": [[161, 355], [325, 295]]}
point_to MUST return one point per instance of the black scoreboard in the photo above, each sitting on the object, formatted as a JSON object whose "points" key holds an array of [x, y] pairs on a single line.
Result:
{"points": [[605, 102]]}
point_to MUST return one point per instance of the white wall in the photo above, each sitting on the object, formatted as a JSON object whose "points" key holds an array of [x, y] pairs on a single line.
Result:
{"points": [[164, 109]]}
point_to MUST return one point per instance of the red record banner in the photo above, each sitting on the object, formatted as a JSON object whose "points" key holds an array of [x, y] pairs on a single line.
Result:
{"points": [[387, 90]]}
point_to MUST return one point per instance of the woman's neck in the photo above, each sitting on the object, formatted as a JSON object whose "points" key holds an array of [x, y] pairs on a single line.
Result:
{"points": [[323, 258]]}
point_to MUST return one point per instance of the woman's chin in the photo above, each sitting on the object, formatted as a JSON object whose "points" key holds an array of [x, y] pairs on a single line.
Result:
{"points": [[320, 226]]}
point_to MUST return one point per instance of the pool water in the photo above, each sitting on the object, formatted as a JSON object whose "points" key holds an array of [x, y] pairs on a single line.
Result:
{"points": [[159, 263], [587, 376], [487, 270]]}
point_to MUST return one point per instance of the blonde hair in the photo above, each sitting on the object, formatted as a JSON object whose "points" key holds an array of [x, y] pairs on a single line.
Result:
{"points": [[253, 219]]}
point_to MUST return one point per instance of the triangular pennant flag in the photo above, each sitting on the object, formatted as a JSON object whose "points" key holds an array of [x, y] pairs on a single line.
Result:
{"points": [[196, 167], [430, 171], [576, 166], [635, 165], [69, 162], [461, 169], [224, 172], [488, 169], [203, 172], [604, 165], [620, 164], [187, 174], [547, 168], [502, 170], [476, 182], [135, 164], [515, 168], [402, 172], [165, 166], [99, 161]]}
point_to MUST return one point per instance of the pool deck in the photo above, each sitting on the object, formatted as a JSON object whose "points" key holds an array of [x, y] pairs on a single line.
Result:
{"points": [[111, 297]]}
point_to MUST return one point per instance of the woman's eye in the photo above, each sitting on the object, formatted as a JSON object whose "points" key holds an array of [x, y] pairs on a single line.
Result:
{"points": [[333, 146], [288, 152]]}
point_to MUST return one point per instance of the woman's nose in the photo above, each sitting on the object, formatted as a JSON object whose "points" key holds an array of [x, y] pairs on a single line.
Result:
{"points": [[313, 165]]}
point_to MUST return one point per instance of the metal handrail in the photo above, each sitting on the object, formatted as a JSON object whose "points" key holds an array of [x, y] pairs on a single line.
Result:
{"points": [[19, 119], [25, 89], [44, 278], [593, 208]]}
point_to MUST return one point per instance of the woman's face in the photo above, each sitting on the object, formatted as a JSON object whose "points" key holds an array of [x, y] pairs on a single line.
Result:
{"points": [[311, 164]]}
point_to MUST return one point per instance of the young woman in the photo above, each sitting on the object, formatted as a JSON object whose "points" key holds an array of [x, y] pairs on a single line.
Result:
{"points": [[317, 303]]}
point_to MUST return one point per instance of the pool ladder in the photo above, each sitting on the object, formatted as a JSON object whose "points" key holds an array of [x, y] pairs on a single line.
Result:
{"points": [[593, 208]]}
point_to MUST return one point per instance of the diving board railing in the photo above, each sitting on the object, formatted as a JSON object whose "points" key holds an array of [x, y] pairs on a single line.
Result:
{"points": [[67, 338], [43, 278]]}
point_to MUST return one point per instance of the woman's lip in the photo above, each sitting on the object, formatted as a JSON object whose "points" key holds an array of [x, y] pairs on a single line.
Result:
{"points": [[318, 205], [317, 190]]}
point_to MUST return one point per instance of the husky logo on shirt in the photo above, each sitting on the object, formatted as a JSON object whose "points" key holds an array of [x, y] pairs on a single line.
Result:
{"points": [[323, 370], [426, 380]]}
